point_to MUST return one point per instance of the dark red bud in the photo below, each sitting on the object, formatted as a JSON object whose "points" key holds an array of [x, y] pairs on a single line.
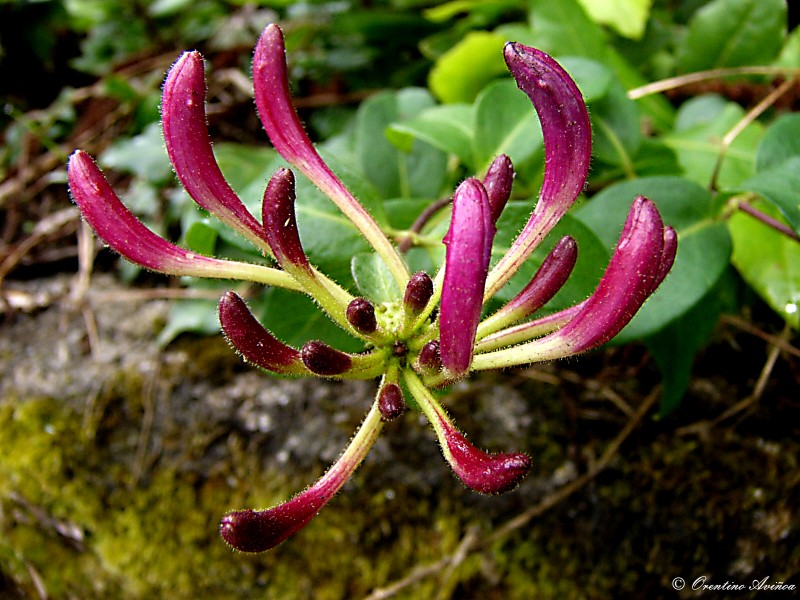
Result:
{"points": [[418, 292], [391, 402], [322, 359], [361, 315], [429, 357]]}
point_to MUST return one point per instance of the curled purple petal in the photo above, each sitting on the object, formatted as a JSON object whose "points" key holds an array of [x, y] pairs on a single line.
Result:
{"points": [[257, 345], [361, 315], [549, 278], [469, 248], [280, 121], [644, 254], [567, 136], [189, 147], [391, 402], [498, 182], [418, 292], [259, 530], [480, 471], [280, 223], [122, 231]]}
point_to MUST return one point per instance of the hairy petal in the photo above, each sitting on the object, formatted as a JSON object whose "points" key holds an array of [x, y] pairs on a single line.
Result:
{"points": [[480, 471], [280, 223], [326, 361], [257, 345], [119, 228], [259, 530], [469, 248], [645, 253], [284, 129], [567, 136], [189, 147]]}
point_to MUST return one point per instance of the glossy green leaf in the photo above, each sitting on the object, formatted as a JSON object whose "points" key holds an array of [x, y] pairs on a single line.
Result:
{"points": [[698, 148], [505, 122], [731, 33], [769, 262], [467, 67], [781, 141], [563, 28], [703, 244], [627, 17], [780, 185], [617, 132], [447, 127], [373, 278], [415, 172], [593, 78]]}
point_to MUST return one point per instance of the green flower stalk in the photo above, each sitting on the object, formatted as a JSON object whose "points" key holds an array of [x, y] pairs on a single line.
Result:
{"points": [[430, 335]]}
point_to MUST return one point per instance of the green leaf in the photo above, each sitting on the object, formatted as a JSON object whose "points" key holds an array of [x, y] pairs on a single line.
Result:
{"points": [[781, 141], [190, 316], [617, 133], [296, 319], [243, 165], [143, 155], [703, 244], [698, 148], [780, 185], [593, 78], [627, 17], [373, 278], [675, 347], [465, 69], [200, 237], [732, 33], [417, 172], [563, 28], [447, 127], [769, 262], [505, 122]]}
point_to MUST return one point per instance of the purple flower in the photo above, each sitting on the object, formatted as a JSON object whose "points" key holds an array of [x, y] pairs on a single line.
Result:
{"points": [[434, 332]]}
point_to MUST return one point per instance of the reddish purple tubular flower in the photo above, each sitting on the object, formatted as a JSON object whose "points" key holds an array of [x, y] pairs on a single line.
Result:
{"points": [[567, 136], [549, 278], [189, 147], [119, 228], [280, 121], [280, 223], [418, 292], [498, 182], [391, 402], [482, 472], [469, 248], [361, 315], [644, 254], [260, 530], [257, 345]]}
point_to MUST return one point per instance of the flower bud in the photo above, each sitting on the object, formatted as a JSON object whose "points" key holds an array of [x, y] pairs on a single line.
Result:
{"points": [[498, 182], [361, 315], [429, 357], [391, 402], [322, 359], [418, 292]]}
